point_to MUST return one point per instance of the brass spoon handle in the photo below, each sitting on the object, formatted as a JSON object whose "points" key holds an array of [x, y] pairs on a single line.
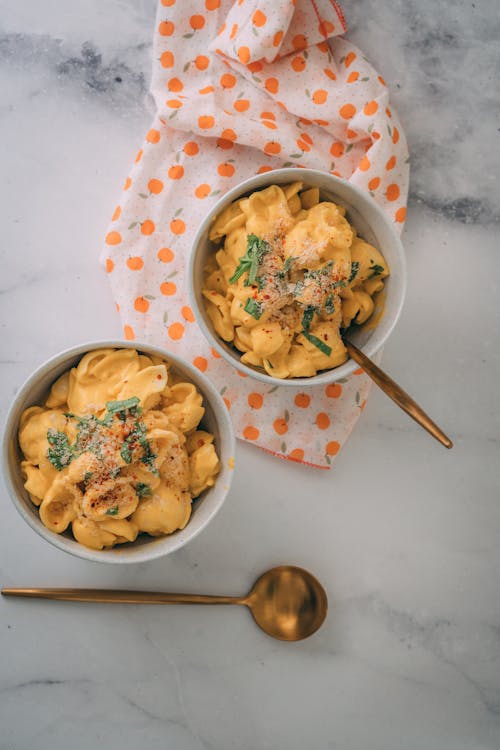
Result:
{"points": [[114, 596], [394, 391]]}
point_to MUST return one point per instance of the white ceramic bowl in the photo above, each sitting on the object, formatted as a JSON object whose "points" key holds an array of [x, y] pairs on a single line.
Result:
{"points": [[372, 225], [216, 420]]}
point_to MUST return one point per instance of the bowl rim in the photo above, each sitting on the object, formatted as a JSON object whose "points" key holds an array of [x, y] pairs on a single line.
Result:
{"points": [[141, 554], [324, 377]]}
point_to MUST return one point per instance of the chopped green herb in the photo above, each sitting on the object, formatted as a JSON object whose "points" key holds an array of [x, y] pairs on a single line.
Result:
{"points": [[354, 271], [143, 490], [286, 267], [316, 273], [308, 316], [125, 452], [148, 459], [256, 249], [60, 453], [318, 343], [337, 284], [376, 270], [90, 438], [88, 476], [112, 511], [115, 406], [299, 288], [270, 364], [253, 308], [330, 304], [258, 283], [138, 436]]}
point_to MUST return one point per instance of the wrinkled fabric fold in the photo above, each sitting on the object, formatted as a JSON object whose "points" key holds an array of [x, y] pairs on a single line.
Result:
{"points": [[243, 88]]}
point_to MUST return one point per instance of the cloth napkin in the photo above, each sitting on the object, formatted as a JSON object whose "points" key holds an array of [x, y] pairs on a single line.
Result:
{"points": [[242, 88]]}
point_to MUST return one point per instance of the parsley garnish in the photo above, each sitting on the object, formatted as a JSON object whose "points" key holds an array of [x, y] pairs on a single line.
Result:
{"points": [[354, 271], [88, 476], [330, 304], [60, 452], [112, 511], [299, 288], [306, 324], [286, 267], [253, 308], [143, 490], [318, 343], [87, 438], [128, 403], [308, 316], [121, 407], [138, 437], [256, 249], [125, 451], [376, 270], [258, 283], [90, 439], [316, 273], [148, 456]]}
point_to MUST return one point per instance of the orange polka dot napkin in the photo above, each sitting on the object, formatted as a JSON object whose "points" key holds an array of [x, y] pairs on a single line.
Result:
{"points": [[245, 87]]}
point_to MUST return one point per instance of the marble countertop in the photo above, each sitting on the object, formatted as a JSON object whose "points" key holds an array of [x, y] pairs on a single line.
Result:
{"points": [[403, 534]]}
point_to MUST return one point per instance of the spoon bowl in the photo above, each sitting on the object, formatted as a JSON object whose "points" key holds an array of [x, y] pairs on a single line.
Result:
{"points": [[288, 603]]}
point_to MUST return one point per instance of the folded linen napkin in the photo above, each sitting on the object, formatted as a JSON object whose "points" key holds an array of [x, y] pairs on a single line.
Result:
{"points": [[241, 88]]}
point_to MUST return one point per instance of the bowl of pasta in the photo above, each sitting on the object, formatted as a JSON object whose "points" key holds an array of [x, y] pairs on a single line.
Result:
{"points": [[118, 452], [288, 263]]}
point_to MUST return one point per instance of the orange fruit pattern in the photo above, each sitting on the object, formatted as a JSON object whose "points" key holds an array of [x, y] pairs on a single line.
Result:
{"points": [[188, 314], [202, 190], [166, 255], [250, 432], [201, 363], [255, 400], [113, 238], [168, 288], [135, 263], [155, 186], [266, 89], [141, 304]]}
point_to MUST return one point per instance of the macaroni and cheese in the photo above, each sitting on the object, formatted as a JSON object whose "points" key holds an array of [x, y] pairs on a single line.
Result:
{"points": [[117, 449], [290, 274]]}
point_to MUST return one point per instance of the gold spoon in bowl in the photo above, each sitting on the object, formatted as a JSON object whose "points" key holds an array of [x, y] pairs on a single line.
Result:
{"points": [[398, 395], [287, 602]]}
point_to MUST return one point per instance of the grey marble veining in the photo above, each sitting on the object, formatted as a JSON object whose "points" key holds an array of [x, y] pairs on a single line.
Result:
{"points": [[404, 535], [445, 55]]}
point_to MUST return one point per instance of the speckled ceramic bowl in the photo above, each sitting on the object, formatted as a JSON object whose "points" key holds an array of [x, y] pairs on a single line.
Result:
{"points": [[372, 224], [216, 420]]}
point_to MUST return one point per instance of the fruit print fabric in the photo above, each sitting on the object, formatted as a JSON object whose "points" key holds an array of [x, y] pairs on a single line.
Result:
{"points": [[241, 88]]}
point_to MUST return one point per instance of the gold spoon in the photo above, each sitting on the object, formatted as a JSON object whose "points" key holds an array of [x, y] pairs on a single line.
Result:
{"points": [[286, 602], [398, 395]]}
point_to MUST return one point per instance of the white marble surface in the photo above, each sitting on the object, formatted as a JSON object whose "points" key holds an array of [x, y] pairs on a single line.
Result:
{"points": [[404, 535]]}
